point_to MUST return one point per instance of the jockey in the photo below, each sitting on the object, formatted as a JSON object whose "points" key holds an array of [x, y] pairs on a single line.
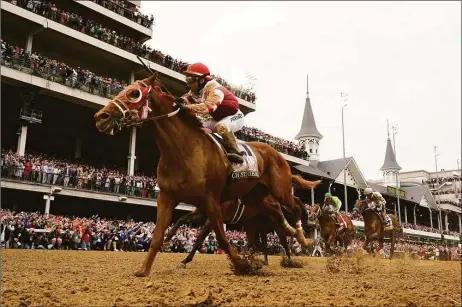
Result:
{"points": [[333, 204], [220, 108], [378, 200]]}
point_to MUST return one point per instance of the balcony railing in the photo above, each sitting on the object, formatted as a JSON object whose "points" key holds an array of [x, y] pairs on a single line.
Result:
{"points": [[62, 74], [76, 182]]}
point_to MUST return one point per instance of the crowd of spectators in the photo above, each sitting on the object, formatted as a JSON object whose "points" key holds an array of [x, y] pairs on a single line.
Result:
{"points": [[281, 145], [435, 182], [56, 71], [33, 230], [128, 10], [47, 169], [429, 229], [42, 168], [97, 30]]}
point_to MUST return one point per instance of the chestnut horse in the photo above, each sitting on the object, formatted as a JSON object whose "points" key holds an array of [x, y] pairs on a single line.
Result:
{"points": [[329, 231], [374, 226], [192, 168], [235, 212]]}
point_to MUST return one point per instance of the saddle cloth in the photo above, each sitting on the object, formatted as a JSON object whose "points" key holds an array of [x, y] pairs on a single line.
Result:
{"points": [[340, 220], [246, 170], [388, 224]]}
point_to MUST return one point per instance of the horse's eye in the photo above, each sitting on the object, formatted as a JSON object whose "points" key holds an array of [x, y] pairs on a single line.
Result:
{"points": [[135, 95]]}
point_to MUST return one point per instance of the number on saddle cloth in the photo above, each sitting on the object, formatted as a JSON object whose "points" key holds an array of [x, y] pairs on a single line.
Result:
{"points": [[246, 170]]}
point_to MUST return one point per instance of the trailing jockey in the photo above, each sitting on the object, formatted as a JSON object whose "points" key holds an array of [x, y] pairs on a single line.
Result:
{"points": [[376, 201], [216, 106], [332, 204]]}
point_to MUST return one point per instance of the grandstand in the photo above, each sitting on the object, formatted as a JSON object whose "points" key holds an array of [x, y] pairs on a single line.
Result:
{"points": [[61, 62]]}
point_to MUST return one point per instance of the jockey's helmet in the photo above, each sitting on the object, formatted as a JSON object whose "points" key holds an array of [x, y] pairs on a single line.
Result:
{"points": [[368, 191], [197, 70], [328, 195]]}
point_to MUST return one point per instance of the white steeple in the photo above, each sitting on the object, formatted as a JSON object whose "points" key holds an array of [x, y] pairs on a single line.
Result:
{"points": [[309, 134], [390, 167]]}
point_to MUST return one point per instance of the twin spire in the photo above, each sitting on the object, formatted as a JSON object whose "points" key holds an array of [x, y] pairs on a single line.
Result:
{"points": [[308, 128], [390, 158]]}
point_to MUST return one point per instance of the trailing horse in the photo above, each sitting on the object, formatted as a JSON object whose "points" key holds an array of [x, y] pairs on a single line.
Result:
{"points": [[374, 227], [237, 213], [329, 230], [194, 169]]}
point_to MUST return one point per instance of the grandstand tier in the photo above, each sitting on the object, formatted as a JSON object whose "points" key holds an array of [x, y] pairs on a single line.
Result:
{"points": [[61, 62]]}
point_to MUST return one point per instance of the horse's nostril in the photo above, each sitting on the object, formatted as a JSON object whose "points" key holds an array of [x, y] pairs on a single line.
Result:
{"points": [[104, 116]]}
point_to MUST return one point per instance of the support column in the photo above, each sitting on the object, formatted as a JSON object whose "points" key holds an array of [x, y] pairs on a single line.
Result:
{"points": [[415, 218], [431, 218], [312, 197], [48, 199], [131, 152], [460, 223], [132, 77], [440, 221], [30, 39], [224, 226], [405, 213], [137, 161], [446, 222], [78, 148], [22, 140]]}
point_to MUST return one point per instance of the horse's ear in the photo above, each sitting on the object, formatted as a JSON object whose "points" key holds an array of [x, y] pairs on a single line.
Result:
{"points": [[151, 79]]}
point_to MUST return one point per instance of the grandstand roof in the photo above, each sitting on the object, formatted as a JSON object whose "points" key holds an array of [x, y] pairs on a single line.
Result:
{"points": [[313, 171], [331, 169], [334, 167]]}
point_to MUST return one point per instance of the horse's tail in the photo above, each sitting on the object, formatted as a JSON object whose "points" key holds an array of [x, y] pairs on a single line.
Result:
{"points": [[301, 184]]}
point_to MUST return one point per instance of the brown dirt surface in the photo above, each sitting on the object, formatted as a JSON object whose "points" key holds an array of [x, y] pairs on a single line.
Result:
{"points": [[78, 278]]}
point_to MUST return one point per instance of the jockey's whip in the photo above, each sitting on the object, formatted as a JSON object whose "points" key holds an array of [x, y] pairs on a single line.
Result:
{"points": [[144, 64]]}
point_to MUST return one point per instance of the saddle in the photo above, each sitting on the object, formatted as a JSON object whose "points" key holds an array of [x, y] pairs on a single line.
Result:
{"points": [[387, 223], [246, 170]]}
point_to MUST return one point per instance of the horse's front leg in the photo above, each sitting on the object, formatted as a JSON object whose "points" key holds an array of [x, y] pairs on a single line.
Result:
{"points": [[165, 207], [195, 216], [283, 240], [200, 240], [366, 242], [213, 210]]}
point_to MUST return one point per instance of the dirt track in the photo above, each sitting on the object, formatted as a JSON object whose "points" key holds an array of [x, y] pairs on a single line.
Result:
{"points": [[69, 278]]}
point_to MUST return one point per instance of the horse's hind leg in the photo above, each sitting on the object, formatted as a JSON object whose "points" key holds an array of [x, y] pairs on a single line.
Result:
{"points": [[264, 246], [200, 240], [392, 247], [165, 207]]}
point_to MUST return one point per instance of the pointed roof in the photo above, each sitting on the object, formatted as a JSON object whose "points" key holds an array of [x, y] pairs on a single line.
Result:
{"points": [[390, 158], [308, 128]]}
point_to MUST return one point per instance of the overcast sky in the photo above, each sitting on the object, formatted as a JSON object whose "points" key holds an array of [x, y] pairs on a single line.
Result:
{"points": [[396, 60]]}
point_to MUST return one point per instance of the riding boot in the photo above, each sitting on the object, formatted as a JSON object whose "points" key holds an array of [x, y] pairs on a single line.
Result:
{"points": [[231, 147]]}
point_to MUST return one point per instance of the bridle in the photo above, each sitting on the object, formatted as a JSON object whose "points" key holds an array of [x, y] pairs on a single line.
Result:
{"points": [[130, 117]]}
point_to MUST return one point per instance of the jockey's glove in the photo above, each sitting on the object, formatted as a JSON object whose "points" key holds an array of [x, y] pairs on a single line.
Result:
{"points": [[181, 105]]}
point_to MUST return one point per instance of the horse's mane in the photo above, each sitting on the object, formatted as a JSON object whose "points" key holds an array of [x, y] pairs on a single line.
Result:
{"points": [[187, 116]]}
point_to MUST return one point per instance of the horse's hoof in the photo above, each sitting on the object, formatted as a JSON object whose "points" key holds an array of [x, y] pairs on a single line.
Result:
{"points": [[181, 265], [141, 273], [308, 243], [265, 263]]}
